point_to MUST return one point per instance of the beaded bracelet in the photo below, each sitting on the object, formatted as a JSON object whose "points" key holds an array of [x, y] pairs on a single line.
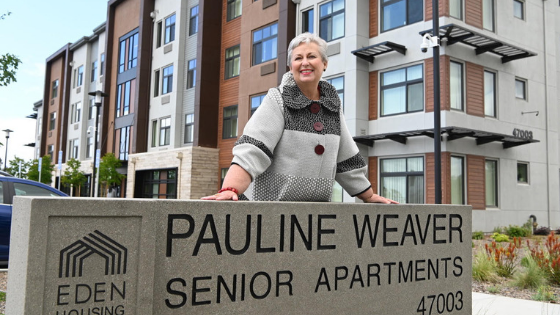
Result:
{"points": [[230, 189]]}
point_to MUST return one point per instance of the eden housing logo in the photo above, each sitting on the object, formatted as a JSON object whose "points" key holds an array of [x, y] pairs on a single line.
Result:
{"points": [[73, 256]]}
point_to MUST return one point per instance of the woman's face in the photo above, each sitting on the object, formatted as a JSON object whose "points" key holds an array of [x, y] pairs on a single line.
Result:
{"points": [[306, 64]]}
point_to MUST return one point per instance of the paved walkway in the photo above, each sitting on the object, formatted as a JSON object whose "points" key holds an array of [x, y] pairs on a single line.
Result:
{"points": [[487, 304]]}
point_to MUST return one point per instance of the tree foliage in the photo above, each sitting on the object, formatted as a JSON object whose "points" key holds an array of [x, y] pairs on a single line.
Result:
{"points": [[72, 175], [13, 167], [46, 170], [108, 174], [8, 64]]}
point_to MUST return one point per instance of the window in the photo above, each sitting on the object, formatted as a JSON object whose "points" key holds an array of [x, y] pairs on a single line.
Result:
{"points": [[74, 149], [159, 184], [80, 77], [233, 9], [230, 122], [76, 114], [191, 74], [519, 9], [169, 29], [256, 102], [338, 84], [397, 13], [123, 98], [89, 147], [488, 14], [164, 131], [102, 65], [521, 89], [189, 128], [456, 85], [265, 44], [456, 9], [123, 138], [402, 179], [54, 90], [154, 133], [156, 83], [224, 173], [402, 91], [457, 180], [94, 71], [489, 94], [32, 190], [523, 173], [167, 86], [158, 34], [128, 52], [491, 178], [193, 22], [90, 109], [232, 62], [307, 21], [52, 123], [331, 20], [50, 150]]}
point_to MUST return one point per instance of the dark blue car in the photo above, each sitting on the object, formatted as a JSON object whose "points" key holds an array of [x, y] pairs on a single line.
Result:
{"points": [[10, 187]]}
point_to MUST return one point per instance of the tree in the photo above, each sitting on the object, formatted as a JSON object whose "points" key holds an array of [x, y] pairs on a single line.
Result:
{"points": [[108, 174], [46, 170], [73, 176], [8, 64], [13, 168]]}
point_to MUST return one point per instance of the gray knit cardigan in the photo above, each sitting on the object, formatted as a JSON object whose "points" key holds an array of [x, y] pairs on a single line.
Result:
{"points": [[295, 150]]}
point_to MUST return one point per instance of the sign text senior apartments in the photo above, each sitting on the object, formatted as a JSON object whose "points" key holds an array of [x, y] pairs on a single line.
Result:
{"points": [[224, 235]]}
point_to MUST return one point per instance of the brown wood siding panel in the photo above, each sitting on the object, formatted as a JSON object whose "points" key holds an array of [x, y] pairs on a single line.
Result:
{"points": [[373, 94], [474, 89], [476, 190], [373, 18], [430, 178], [444, 82], [372, 173], [429, 84], [443, 8], [473, 13]]}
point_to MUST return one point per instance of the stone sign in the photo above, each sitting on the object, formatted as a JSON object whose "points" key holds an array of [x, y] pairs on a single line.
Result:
{"points": [[74, 256]]}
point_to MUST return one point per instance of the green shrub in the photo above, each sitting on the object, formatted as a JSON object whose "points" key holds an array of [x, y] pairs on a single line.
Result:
{"points": [[500, 237], [544, 293], [499, 230], [517, 231], [484, 268], [494, 289], [478, 235], [532, 276]]}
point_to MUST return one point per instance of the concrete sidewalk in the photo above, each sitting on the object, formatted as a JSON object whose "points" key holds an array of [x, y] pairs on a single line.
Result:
{"points": [[487, 304]]}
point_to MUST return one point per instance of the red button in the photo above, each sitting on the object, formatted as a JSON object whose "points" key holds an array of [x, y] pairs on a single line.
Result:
{"points": [[319, 149], [315, 108], [318, 126]]}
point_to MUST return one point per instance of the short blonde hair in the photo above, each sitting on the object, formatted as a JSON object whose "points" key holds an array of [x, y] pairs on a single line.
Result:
{"points": [[308, 38]]}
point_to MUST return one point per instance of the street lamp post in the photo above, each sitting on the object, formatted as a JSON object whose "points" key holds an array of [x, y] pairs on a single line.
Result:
{"points": [[7, 131], [437, 111], [98, 97]]}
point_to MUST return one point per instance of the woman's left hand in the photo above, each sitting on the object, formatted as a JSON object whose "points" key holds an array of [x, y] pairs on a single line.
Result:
{"points": [[379, 199]]}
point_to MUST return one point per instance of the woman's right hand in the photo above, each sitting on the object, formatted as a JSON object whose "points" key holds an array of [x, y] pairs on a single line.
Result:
{"points": [[224, 195]]}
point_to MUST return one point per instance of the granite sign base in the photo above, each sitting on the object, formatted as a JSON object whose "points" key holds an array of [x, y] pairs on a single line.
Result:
{"points": [[77, 256]]}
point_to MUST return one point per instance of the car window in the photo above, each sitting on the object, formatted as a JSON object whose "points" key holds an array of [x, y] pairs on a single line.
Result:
{"points": [[1, 192], [31, 190]]}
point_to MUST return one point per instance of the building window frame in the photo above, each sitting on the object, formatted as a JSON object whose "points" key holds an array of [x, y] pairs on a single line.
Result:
{"points": [[329, 20], [191, 74], [521, 89], [102, 65], [80, 76], [159, 31], [124, 96], [193, 21], [89, 147], [456, 9], [169, 29], [154, 133], [256, 101], [94, 71], [128, 51], [336, 82], [229, 125], [456, 86], [52, 121], [491, 176], [234, 9], [233, 62], [409, 172], [265, 39], [160, 184], [74, 149], [189, 128], [523, 174], [50, 151], [76, 113], [457, 180], [156, 82], [488, 15], [409, 83], [164, 131], [308, 20], [167, 80], [54, 89], [490, 93], [519, 9], [412, 13], [91, 108]]}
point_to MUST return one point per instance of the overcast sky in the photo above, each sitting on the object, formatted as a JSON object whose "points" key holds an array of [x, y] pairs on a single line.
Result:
{"points": [[35, 30]]}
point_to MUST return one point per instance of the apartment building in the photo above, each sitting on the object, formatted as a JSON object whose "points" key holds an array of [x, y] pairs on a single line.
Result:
{"points": [[183, 78]]}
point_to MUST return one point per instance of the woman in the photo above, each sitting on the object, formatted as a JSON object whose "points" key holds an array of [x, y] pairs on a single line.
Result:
{"points": [[297, 144]]}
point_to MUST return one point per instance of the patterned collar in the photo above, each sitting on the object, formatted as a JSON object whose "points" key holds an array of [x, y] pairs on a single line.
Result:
{"points": [[294, 98]]}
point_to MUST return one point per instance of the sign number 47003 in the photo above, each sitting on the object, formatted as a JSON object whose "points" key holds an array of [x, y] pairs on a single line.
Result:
{"points": [[444, 303]]}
